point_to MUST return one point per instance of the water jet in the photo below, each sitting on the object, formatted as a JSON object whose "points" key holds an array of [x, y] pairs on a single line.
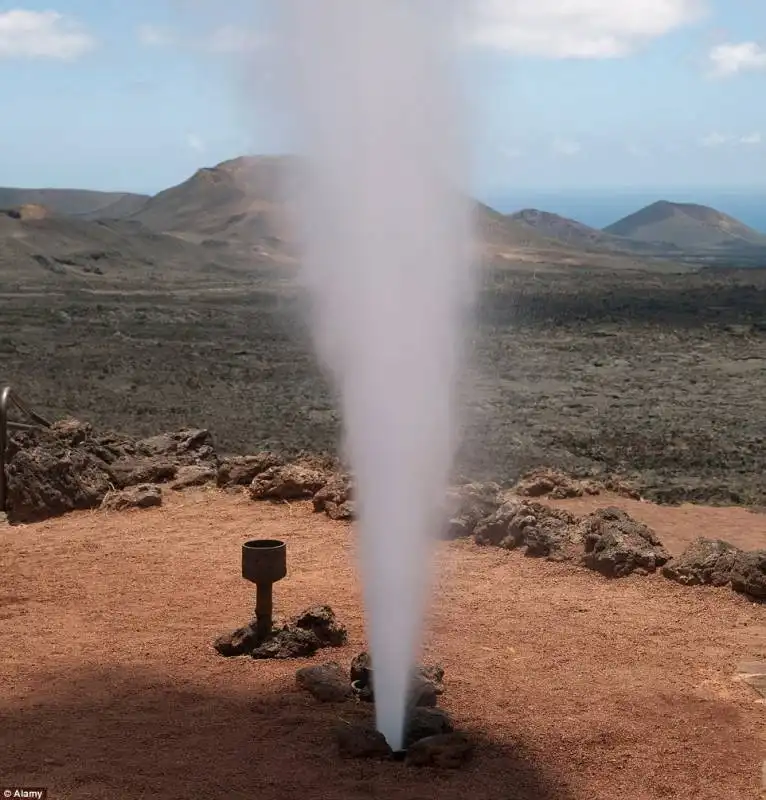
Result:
{"points": [[264, 562]]}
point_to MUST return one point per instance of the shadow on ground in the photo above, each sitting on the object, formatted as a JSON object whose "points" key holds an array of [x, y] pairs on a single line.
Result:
{"points": [[131, 734]]}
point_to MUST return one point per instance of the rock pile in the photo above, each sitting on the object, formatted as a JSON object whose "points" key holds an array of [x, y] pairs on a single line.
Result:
{"points": [[300, 637], [430, 737], [70, 467]]}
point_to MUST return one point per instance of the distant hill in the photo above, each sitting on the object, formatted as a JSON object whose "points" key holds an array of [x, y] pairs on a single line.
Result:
{"points": [[243, 201], [573, 233], [41, 247], [240, 201], [75, 202], [687, 227]]}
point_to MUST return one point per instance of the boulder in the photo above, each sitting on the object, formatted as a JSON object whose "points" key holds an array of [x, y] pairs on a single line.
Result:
{"points": [[617, 545], [545, 482], [237, 643], [328, 682], [141, 496], [289, 482], [543, 531], [335, 498], [289, 642], [242, 470], [425, 722], [323, 624], [50, 472], [748, 575], [468, 505], [443, 751], [703, 562], [193, 475], [361, 740]]}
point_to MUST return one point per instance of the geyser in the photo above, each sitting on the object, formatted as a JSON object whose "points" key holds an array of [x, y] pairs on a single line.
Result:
{"points": [[387, 264]]}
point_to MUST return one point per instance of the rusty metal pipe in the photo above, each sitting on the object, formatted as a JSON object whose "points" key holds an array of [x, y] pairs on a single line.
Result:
{"points": [[264, 562]]}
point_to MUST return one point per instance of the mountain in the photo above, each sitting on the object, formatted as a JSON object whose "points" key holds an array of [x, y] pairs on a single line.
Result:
{"points": [[243, 201], [686, 227], [236, 202], [75, 202], [569, 231]]}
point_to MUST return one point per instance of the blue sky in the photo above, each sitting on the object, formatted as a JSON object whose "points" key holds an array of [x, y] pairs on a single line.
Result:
{"points": [[565, 94]]}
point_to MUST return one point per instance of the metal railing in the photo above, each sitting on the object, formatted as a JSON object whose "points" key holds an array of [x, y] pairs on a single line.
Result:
{"points": [[9, 398]]}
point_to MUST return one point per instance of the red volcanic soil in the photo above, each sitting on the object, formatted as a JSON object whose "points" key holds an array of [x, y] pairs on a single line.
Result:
{"points": [[580, 688]]}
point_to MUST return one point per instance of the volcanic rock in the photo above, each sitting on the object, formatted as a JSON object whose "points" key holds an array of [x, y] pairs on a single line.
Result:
{"points": [[242, 470], [289, 642], [427, 683], [544, 531], [703, 562], [193, 475], [468, 505], [237, 643], [748, 576], [323, 624], [289, 482], [425, 722], [142, 496], [335, 498], [361, 740], [50, 472], [360, 668], [445, 751], [554, 484], [328, 682], [617, 545]]}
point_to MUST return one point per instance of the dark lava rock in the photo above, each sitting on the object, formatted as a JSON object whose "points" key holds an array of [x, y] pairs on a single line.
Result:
{"points": [[361, 740], [703, 562], [427, 683], [142, 496], [289, 642], [468, 505], [328, 682], [424, 722], [445, 751], [69, 467], [50, 472], [423, 693], [546, 532], [290, 482], [748, 576], [360, 668], [238, 642], [335, 498], [322, 622], [617, 545], [554, 484], [193, 475], [242, 470]]}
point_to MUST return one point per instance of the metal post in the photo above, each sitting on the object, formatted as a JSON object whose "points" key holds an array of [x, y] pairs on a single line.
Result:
{"points": [[263, 610]]}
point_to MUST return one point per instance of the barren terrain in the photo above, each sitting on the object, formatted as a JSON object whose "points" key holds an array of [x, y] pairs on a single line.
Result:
{"points": [[661, 377], [580, 688]]}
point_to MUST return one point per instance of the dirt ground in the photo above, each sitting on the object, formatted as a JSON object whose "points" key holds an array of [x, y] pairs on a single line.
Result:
{"points": [[581, 688]]}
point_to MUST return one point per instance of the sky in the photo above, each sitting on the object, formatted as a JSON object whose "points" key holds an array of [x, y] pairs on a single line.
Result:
{"points": [[136, 95]]}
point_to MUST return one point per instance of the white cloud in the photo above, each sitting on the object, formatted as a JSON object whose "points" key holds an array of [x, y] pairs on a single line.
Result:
{"points": [[195, 142], [577, 28], [42, 34], [714, 140], [751, 138], [729, 59], [565, 147]]}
